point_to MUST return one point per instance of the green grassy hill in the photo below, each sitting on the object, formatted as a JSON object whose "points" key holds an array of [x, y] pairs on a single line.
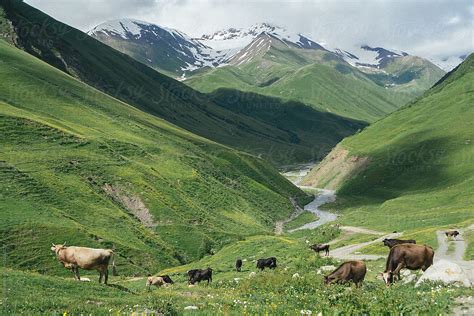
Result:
{"points": [[324, 81], [312, 133], [79, 166], [119, 75], [418, 170]]}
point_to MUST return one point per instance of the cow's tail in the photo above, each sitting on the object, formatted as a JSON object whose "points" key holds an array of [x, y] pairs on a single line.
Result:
{"points": [[114, 269]]}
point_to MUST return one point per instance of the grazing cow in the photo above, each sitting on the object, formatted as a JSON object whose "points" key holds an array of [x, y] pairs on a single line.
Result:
{"points": [[238, 265], [452, 233], [156, 281], [320, 247], [407, 256], [198, 275], [267, 263], [85, 258], [392, 242], [167, 279], [350, 271]]}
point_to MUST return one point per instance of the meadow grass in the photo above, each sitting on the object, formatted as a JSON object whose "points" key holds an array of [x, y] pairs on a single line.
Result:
{"points": [[300, 220], [269, 292], [351, 239], [469, 255]]}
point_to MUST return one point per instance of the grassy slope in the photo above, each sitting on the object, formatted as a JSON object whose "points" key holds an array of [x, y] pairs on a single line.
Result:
{"points": [[321, 80], [313, 133], [300, 220], [421, 174], [158, 57], [411, 74], [131, 81], [270, 292], [62, 141]]}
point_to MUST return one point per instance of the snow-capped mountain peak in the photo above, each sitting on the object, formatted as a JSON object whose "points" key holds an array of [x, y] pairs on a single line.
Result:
{"points": [[174, 51], [366, 56], [238, 38], [132, 29], [169, 44]]}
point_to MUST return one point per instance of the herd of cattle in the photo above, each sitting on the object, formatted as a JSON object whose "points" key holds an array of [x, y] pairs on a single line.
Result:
{"points": [[404, 254]]}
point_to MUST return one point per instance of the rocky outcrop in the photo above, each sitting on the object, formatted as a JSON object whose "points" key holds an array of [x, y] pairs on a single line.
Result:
{"points": [[132, 203], [447, 272]]}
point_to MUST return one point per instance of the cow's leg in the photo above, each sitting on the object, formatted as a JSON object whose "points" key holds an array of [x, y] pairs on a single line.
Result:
{"points": [[106, 273], [100, 276], [397, 270], [327, 251], [73, 269], [78, 277]]}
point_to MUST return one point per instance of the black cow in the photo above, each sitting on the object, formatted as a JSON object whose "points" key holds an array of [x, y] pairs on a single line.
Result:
{"points": [[238, 265], [320, 247], [198, 275], [452, 233], [392, 242], [167, 279], [267, 263]]}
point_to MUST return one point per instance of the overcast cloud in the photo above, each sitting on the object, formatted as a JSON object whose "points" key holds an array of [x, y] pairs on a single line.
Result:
{"points": [[428, 28]]}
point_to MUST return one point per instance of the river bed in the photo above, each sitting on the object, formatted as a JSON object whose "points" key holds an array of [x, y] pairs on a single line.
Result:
{"points": [[321, 196]]}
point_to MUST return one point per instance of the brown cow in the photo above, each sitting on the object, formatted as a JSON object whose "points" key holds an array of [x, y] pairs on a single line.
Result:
{"points": [[348, 271], [86, 258], [320, 247], [452, 233], [156, 281], [407, 256]]}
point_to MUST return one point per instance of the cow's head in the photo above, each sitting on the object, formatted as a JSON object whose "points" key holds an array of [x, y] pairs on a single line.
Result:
{"points": [[57, 248], [385, 242], [387, 277], [328, 279]]}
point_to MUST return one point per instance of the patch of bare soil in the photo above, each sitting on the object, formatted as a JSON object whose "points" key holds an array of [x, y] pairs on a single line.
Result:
{"points": [[132, 203], [335, 169]]}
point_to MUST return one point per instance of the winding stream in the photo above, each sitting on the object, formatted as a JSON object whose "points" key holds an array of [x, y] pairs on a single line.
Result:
{"points": [[321, 197]]}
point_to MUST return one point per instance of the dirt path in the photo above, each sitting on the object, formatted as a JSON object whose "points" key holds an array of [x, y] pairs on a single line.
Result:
{"points": [[360, 230], [457, 256], [350, 252], [443, 247]]}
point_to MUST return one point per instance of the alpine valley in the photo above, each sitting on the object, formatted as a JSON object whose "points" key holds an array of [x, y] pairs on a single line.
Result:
{"points": [[229, 173]]}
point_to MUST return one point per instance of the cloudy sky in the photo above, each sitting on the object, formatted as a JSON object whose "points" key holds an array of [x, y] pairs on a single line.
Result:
{"points": [[428, 28]]}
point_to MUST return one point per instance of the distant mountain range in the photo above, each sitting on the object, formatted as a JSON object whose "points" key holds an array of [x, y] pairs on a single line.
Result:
{"points": [[365, 84], [173, 51]]}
